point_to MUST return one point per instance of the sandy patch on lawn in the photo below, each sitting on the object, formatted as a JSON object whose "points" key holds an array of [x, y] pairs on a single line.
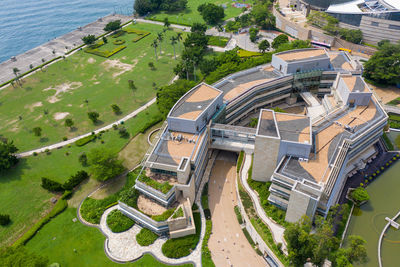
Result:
{"points": [[91, 60], [386, 94], [69, 105], [62, 88], [93, 78], [34, 105], [117, 65], [96, 82], [60, 115], [38, 117]]}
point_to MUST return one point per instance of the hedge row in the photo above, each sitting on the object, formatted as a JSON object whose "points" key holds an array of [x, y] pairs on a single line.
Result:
{"points": [[29, 71], [239, 161], [119, 42], [72, 182], [238, 214], [59, 207], [83, 141], [206, 259], [140, 37], [104, 53], [146, 237]]}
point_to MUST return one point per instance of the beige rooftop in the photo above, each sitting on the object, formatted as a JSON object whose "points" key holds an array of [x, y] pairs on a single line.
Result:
{"points": [[299, 55]]}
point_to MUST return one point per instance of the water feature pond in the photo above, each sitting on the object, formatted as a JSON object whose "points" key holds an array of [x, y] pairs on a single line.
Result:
{"points": [[369, 220]]}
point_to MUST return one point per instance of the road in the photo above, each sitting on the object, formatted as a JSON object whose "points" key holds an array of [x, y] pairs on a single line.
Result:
{"points": [[228, 245]]}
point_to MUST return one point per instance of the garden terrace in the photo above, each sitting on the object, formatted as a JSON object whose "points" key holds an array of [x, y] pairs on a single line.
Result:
{"points": [[161, 182]]}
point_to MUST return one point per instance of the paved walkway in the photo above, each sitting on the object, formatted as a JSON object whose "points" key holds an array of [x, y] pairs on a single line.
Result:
{"points": [[276, 230], [227, 243], [60, 45], [381, 239], [70, 141]]}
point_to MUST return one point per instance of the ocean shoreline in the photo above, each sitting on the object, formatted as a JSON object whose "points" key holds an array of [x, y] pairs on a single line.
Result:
{"points": [[55, 48]]}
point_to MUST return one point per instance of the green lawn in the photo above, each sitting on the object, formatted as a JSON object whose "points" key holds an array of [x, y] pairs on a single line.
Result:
{"points": [[58, 239], [85, 76], [21, 194], [191, 15]]}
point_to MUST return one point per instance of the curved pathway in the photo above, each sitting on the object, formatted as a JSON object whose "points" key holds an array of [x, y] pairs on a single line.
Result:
{"points": [[381, 238], [70, 141], [276, 229]]}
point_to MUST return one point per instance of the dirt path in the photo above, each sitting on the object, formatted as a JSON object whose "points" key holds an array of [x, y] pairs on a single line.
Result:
{"points": [[228, 245]]}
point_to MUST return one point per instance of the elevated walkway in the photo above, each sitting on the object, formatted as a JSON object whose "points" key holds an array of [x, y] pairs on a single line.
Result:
{"points": [[232, 138]]}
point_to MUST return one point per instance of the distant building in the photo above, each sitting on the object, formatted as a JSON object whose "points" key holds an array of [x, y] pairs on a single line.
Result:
{"points": [[377, 19]]}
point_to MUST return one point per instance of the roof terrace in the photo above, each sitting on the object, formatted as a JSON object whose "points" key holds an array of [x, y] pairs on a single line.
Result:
{"points": [[193, 103], [302, 54]]}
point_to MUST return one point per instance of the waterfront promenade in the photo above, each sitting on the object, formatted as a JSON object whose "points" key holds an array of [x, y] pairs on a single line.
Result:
{"points": [[59, 45]]}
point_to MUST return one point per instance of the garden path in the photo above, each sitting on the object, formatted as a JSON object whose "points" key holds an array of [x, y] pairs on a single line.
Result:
{"points": [[276, 229]]}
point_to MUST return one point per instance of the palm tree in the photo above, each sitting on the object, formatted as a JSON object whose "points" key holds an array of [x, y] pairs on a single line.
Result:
{"points": [[160, 38], [16, 71], [173, 42], [179, 36], [155, 45], [219, 28]]}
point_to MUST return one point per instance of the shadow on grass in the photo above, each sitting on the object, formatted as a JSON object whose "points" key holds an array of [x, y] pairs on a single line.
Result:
{"points": [[43, 139], [15, 172]]}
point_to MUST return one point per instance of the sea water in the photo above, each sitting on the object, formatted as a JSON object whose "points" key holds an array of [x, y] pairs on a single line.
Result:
{"points": [[25, 24]]}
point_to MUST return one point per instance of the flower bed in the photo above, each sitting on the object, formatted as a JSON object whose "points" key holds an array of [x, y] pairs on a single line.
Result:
{"points": [[104, 53]]}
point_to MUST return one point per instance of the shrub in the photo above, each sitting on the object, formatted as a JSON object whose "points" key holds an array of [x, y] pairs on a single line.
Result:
{"points": [[118, 222], [67, 194], [359, 195], [83, 158], [75, 180], [162, 187], [83, 141], [51, 185], [164, 216], [205, 251], [92, 209], [183, 246], [104, 53], [238, 214], [116, 109], [245, 53], [248, 237], [4, 219], [240, 161], [146, 237], [65, 138], [119, 42]]}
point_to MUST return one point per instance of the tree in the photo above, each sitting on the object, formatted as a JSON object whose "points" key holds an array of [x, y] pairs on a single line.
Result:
{"points": [[173, 43], [20, 256], [253, 34], [354, 36], [69, 123], [253, 122], [359, 195], [384, 66], [198, 28], [16, 73], [112, 26], [132, 84], [93, 116], [279, 40], [37, 131], [263, 46], [262, 16], [166, 23], [160, 38], [4, 219], [168, 95], [299, 241], [383, 42], [104, 164], [83, 159], [212, 14], [89, 39], [155, 45], [356, 253], [116, 109], [7, 157], [151, 65], [105, 39], [142, 7]]}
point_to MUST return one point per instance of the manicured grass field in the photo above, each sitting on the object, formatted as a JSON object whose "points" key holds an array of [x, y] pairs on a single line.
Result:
{"points": [[21, 194], [191, 15], [58, 239], [81, 77]]}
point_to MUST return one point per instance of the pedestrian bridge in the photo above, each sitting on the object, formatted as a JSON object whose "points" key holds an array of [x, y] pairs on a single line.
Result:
{"points": [[232, 138]]}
